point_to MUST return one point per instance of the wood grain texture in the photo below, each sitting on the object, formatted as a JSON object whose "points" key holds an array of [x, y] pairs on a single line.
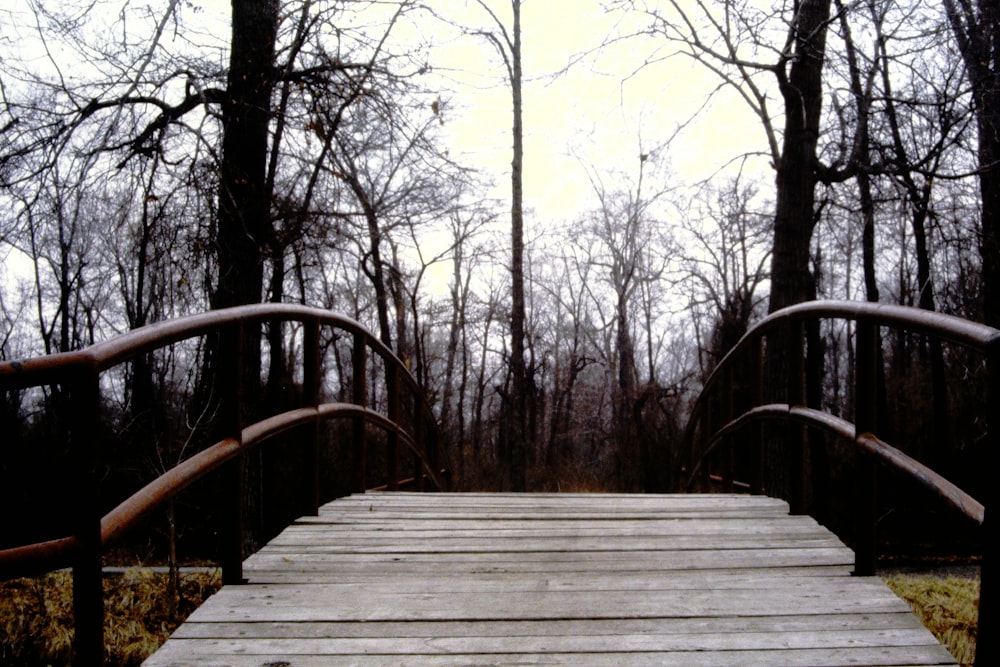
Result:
{"points": [[503, 579]]}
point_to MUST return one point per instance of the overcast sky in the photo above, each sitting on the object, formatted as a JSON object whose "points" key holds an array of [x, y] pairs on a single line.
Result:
{"points": [[595, 114], [591, 118]]}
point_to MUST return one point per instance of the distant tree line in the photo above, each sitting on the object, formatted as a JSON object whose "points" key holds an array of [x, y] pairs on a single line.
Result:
{"points": [[150, 169]]}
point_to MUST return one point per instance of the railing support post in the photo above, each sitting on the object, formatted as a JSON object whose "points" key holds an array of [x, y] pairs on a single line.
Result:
{"points": [[392, 446], [310, 398], [729, 455], [88, 579], [359, 396], [756, 381], [230, 381], [865, 402], [795, 434], [704, 458], [420, 440]]}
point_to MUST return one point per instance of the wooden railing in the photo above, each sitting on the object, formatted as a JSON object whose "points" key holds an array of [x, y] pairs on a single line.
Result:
{"points": [[717, 414], [79, 374]]}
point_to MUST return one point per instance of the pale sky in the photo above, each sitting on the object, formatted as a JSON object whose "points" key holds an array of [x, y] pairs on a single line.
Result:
{"points": [[595, 114], [591, 116]]}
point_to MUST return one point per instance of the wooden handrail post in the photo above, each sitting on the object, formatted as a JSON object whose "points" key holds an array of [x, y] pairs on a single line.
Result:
{"points": [[359, 396], [703, 458], [865, 416], [420, 438], [756, 380], [392, 446], [88, 584], [986, 651], [230, 381], [729, 455], [310, 398], [795, 434]]}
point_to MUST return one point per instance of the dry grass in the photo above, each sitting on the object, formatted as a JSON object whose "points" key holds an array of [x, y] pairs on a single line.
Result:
{"points": [[947, 606], [36, 616]]}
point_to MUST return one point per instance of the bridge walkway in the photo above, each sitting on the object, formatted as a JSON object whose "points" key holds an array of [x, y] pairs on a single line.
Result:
{"points": [[572, 579]]}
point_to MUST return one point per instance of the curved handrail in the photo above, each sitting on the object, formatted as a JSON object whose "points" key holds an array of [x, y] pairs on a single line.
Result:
{"points": [[955, 497], [868, 317], [54, 554], [980, 337], [124, 347], [84, 367], [947, 327]]}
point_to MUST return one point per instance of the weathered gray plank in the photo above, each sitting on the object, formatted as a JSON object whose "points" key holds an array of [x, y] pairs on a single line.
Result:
{"points": [[470, 544], [642, 580], [313, 603], [553, 579], [541, 561], [874, 657], [555, 627], [595, 643]]}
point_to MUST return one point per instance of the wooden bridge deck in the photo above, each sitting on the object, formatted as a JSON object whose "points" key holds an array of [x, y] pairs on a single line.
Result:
{"points": [[458, 579]]}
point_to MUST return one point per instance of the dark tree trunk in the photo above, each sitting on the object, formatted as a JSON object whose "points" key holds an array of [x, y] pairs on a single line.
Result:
{"points": [[977, 31], [801, 90], [976, 27], [989, 186], [794, 221], [518, 368], [244, 203], [244, 208], [626, 427]]}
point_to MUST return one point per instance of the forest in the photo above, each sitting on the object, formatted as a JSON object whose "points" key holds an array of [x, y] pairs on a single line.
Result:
{"points": [[380, 158]]}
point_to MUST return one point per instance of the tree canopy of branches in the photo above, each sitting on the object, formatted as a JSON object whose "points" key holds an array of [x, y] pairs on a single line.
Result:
{"points": [[160, 159]]}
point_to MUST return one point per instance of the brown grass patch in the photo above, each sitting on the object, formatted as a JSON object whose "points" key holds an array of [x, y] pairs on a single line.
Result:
{"points": [[947, 606], [36, 616]]}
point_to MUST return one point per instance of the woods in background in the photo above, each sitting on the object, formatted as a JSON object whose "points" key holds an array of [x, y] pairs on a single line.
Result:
{"points": [[151, 168]]}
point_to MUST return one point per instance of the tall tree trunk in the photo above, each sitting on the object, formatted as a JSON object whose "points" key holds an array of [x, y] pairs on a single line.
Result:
{"points": [[518, 369], [976, 27], [862, 94], [626, 431], [978, 37], [794, 221], [244, 203]]}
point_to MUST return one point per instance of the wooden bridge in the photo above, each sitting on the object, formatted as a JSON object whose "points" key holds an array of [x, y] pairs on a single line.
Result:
{"points": [[500, 579], [447, 578]]}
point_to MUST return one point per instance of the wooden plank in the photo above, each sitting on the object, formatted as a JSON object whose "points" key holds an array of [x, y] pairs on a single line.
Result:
{"points": [[433, 576], [595, 643], [555, 627], [469, 544], [281, 602], [676, 580], [553, 579], [540, 561], [444, 533], [874, 657]]}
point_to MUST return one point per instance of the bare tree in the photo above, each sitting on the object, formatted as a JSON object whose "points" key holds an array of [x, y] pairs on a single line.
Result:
{"points": [[724, 264], [506, 39], [623, 226]]}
